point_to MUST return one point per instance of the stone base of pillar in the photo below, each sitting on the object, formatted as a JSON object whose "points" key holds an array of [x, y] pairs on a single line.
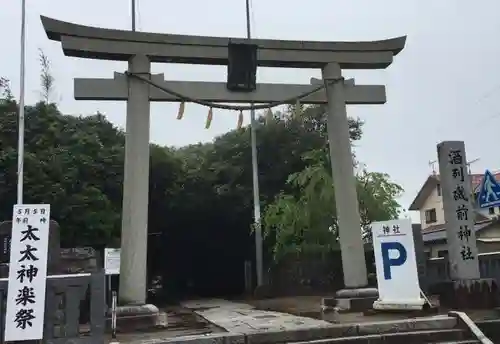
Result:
{"points": [[137, 318], [468, 294], [410, 305], [351, 300], [425, 310]]}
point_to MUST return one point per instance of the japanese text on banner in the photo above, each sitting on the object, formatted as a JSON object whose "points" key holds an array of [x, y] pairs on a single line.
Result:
{"points": [[27, 273]]}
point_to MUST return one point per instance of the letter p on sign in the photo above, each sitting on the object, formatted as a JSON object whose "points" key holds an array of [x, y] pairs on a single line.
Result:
{"points": [[392, 249]]}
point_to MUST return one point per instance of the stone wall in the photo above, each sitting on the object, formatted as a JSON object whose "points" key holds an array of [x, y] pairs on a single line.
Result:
{"points": [[79, 259], [319, 274], [307, 275], [72, 261]]}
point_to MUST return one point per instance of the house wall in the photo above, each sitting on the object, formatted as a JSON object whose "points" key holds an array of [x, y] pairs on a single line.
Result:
{"points": [[488, 247], [486, 211], [434, 250], [491, 232], [433, 202]]}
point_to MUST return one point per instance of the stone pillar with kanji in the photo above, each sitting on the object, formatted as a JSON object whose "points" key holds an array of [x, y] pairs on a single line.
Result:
{"points": [[465, 287]]}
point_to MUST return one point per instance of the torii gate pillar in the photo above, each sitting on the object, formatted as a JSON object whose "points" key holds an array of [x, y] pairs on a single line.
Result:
{"points": [[134, 235], [353, 254]]}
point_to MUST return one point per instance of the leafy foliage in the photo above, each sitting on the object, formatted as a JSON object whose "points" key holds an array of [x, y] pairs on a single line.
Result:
{"points": [[305, 219], [5, 91], [46, 78], [71, 163]]}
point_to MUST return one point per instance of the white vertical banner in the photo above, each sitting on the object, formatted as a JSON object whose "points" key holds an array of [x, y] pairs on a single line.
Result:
{"points": [[396, 264], [27, 272]]}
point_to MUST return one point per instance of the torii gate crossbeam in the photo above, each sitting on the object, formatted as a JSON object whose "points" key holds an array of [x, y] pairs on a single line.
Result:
{"points": [[116, 89]]}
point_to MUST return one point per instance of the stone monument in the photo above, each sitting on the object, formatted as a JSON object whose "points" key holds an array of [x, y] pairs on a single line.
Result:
{"points": [[466, 288], [138, 87]]}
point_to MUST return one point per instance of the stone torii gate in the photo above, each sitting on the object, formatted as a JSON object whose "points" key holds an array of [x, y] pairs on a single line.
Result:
{"points": [[139, 87]]}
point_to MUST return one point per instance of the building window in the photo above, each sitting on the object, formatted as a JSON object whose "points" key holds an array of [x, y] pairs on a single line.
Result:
{"points": [[491, 210], [430, 216], [442, 253], [438, 189]]}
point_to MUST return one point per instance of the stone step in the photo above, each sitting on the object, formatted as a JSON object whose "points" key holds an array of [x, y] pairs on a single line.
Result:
{"points": [[328, 333], [418, 337], [467, 341]]}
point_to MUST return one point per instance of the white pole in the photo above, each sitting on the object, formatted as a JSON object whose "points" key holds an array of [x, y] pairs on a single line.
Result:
{"points": [[133, 14], [255, 174], [20, 140]]}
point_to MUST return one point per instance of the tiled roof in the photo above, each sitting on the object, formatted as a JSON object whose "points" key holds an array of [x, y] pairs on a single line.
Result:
{"points": [[424, 191], [480, 218], [438, 232], [477, 180], [433, 180], [434, 228]]}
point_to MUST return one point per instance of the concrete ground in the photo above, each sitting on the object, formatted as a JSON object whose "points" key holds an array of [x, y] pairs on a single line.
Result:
{"points": [[213, 320], [201, 318], [181, 323], [310, 306], [244, 318]]}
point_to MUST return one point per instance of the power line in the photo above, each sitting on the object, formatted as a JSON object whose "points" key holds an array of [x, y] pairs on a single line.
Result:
{"points": [[486, 95]]}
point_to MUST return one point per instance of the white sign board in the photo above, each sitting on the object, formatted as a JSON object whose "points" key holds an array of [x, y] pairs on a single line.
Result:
{"points": [[112, 261], [396, 264], [28, 272]]}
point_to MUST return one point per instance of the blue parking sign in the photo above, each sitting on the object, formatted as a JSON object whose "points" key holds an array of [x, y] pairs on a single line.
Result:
{"points": [[386, 248]]}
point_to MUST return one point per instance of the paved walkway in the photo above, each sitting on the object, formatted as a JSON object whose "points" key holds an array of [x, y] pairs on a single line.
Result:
{"points": [[243, 318]]}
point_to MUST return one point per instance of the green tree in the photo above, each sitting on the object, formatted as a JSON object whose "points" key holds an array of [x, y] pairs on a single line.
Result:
{"points": [[76, 165], [280, 146], [5, 91], [71, 163], [212, 211], [304, 220], [47, 80]]}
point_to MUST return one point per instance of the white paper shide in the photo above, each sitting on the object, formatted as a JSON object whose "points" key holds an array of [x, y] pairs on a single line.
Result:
{"points": [[27, 272]]}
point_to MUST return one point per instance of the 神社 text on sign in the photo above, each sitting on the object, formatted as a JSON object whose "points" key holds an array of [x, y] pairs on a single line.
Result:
{"points": [[27, 272]]}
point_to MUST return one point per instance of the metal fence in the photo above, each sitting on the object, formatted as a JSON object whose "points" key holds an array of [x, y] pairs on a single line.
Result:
{"points": [[66, 318]]}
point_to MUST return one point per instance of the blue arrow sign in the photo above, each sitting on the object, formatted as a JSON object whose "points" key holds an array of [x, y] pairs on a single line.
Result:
{"points": [[489, 195]]}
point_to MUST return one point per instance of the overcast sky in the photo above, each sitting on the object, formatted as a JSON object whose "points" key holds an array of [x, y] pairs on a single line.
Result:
{"points": [[444, 86]]}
